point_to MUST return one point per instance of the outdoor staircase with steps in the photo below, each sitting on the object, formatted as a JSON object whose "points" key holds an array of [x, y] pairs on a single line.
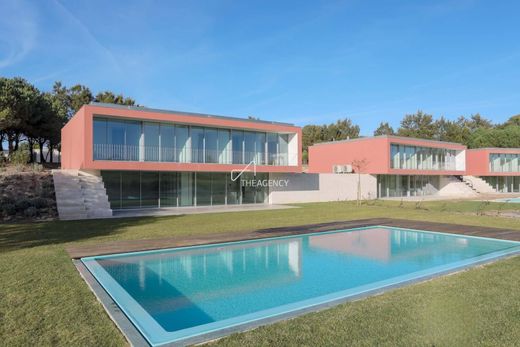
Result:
{"points": [[80, 195], [477, 184], [455, 187]]}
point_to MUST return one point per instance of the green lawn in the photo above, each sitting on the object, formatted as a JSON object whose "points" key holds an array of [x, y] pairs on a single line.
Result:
{"points": [[44, 301]]}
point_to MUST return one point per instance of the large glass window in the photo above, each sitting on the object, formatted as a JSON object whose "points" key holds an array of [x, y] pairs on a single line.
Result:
{"points": [[151, 142], [238, 146], [211, 145], [406, 185], [504, 162], [421, 158], [149, 189], [182, 144], [203, 188], [218, 188], [224, 146], [112, 181], [130, 189], [169, 189], [197, 145], [167, 143], [272, 149], [283, 149]]}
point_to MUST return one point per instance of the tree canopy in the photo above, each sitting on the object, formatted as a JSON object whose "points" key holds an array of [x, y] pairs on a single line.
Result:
{"points": [[34, 117]]}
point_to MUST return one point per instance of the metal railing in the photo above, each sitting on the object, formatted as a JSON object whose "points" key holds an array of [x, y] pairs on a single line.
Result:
{"points": [[189, 155]]}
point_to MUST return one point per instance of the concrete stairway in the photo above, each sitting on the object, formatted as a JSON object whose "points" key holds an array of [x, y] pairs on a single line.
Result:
{"points": [[455, 187], [80, 195], [478, 184]]}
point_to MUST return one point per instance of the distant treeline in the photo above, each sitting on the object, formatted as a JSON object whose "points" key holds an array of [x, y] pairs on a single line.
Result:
{"points": [[474, 132], [34, 118]]}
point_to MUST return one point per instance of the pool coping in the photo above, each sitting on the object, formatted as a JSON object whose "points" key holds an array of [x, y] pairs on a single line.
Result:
{"points": [[135, 338], [126, 246]]}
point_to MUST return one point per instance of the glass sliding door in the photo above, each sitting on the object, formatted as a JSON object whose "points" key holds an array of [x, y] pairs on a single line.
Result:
{"points": [[168, 189], [167, 143], [234, 191], [112, 182], [218, 188], [182, 144], [203, 183], [211, 145], [130, 189], [149, 189], [186, 188], [224, 146], [238, 146], [151, 142]]}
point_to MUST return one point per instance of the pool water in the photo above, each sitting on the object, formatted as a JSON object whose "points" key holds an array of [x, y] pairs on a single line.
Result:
{"points": [[515, 200], [172, 295]]}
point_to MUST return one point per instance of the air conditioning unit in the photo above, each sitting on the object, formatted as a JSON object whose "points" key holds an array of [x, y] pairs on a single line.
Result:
{"points": [[342, 169]]}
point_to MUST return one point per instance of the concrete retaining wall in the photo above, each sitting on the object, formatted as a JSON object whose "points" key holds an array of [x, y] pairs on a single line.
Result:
{"points": [[321, 187]]}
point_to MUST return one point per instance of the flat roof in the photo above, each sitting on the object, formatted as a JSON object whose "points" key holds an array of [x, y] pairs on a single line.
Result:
{"points": [[156, 110], [388, 137], [495, 149]]}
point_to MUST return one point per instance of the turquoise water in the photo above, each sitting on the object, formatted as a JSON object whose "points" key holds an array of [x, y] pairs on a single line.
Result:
{"points": [[516, 200], [175, 294]]}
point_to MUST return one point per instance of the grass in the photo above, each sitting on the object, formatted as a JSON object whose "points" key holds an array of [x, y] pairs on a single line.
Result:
{"points": [[44, 301]]}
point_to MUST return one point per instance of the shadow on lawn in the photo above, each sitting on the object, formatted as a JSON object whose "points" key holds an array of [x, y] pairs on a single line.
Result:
{"points": [[26, 235]]}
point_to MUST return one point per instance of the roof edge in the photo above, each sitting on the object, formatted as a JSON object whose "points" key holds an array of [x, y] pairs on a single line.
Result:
{"points": [[194, 114]]}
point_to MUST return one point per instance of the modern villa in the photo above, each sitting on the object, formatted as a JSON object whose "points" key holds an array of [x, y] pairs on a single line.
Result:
{"points": [[154, 158], [403, 166], [126, 157], [499, 167]]}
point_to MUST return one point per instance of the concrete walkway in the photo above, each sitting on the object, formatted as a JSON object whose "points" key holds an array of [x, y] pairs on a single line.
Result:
{"points": [[176, 211]]}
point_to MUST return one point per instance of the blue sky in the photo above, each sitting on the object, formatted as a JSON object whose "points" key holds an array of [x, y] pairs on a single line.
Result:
{"points": [[304, 62]]}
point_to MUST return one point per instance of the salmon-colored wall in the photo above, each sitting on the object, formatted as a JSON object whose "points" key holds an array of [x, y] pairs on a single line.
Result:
{"points": [[322, 157], [477, 161], [84, 130], [376, 152], [73, 142]]}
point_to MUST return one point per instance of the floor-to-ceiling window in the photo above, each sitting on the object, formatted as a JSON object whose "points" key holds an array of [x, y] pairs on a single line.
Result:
{"points": [[151, 189], [503, 184], [421, 158], [504, 162], [406, 185], [166, 142]]}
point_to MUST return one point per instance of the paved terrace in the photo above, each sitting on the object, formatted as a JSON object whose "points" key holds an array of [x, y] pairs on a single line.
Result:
{"points": [[76, 252]]}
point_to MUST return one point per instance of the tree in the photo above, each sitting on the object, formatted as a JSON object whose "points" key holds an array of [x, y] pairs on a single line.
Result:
{"points": [[19, 102], [384, 129], [79, 95], [341, 130], [418, 125], [359, 165], [513, 121], [110, 98]]}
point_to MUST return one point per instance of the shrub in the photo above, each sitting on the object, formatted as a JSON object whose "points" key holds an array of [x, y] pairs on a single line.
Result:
{"points": [[30, 212], [20, 157], [23, 204], [9, 209], [39, 202]]}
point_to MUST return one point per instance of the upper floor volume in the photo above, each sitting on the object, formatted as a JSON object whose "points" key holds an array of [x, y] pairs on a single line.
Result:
{"points": [[114, 137]]}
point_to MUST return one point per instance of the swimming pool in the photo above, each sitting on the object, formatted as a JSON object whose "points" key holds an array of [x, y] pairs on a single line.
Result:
{"points": [[514, 200], [180, 294]]}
